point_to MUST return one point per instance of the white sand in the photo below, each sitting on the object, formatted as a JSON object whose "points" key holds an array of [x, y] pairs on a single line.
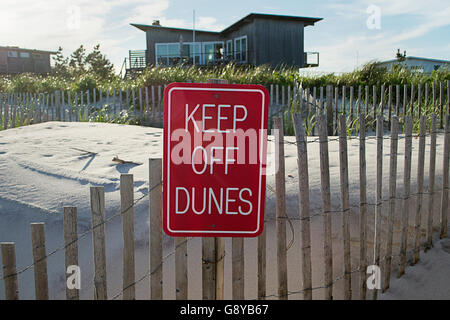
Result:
{"points": [[42, 169]]}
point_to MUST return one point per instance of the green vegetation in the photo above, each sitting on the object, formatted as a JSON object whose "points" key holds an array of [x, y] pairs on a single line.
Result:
{"points": [[83, 71], [86, 71]]}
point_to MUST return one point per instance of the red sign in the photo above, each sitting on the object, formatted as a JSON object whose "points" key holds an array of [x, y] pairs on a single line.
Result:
{"points": [[214, 160]]}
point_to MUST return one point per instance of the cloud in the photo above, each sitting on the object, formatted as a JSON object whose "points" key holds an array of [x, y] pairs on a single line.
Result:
{"points": [[347, 36]]}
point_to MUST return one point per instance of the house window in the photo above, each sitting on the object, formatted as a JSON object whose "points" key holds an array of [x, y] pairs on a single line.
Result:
{"points": [[37, 56], [212, 52], [24, 55], [192, 53], [12, 54], [229, 50], [240, 49], [417, 69], [168, 54]]}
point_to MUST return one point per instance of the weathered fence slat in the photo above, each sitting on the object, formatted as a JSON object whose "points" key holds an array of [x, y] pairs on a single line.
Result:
{"points": [[127, 212], [329, 104], [304, 205], [9, 270], [379, 193], [262, 265], [431, 172], [419, 201], [441, 104], [71, 247], [208, 269], [326, 207], [280, 190], [181, 271], [155, 178], [345, 203], [39, 261], [406, 195], [392, 202], [362, 208], [444, 197], [237, 261], [99, 242]]}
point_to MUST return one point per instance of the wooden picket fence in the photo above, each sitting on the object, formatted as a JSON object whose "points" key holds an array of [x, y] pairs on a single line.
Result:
{"points": [[213, 259], [144, 106]]}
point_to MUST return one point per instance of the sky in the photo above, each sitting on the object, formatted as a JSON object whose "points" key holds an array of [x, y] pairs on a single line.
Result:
{"points": [[351, 33]]}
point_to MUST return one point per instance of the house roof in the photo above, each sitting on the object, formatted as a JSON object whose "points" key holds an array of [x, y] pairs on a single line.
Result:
{"points": [[27, 50], [145, 27], [417, 58], [248, 18]]}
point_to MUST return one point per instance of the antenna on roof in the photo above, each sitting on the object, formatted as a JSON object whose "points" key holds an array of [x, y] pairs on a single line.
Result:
{"points": [[193, 32]]}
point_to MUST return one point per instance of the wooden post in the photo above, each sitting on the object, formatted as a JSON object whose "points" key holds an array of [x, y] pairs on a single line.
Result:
{"points": [[412, 100], [405, 100], [330, 109], [6, 117], [406, 194], [127, 212], [343, 100], [374, 102], [358, 106], [141, 109], [13, 116], [208, 269], [237, 261], [419, 99], [39, 261], [58, 105], [444, 197], [156, 284], [390, 106], [362, 208], [441, 104], [302, 157], [71, 246], [216, 250], [397, 100], [336, 114], [382, 100], [9, 270], [432, 171], [280, 185], [420, 174], [99, 243], [160, 101], [326, 205], [434, 96], [367, 100], [345, 203], [392, 202], [181, 275], [378, 195], [350, 107], [262, 265]]}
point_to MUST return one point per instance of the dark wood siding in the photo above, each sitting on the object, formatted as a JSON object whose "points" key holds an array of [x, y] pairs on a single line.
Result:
{"points": [[269, 41], [249, 31], [36, 62], [279, 42]]}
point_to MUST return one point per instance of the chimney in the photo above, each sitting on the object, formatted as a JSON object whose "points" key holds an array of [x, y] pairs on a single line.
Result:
{"points": [[156, 23]]}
